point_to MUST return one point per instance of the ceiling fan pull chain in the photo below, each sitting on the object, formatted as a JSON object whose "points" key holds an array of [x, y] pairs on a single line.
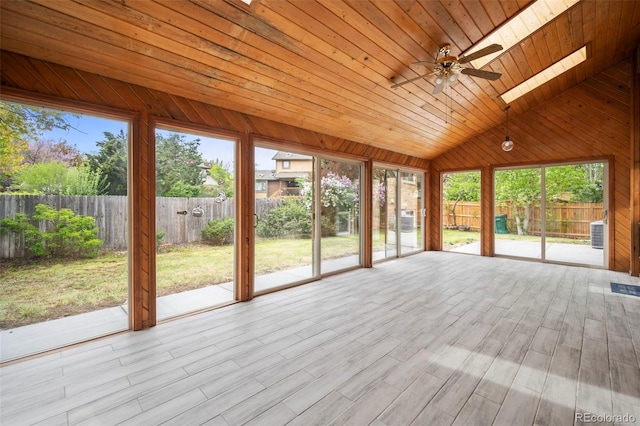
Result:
{"points": [[450, 107]]}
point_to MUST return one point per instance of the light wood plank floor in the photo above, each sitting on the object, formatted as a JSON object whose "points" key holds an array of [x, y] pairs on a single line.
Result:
{"points": [[432, 339]]}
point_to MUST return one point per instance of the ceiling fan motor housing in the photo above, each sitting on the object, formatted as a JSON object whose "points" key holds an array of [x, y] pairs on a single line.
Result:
{"points": [[448, 60]]}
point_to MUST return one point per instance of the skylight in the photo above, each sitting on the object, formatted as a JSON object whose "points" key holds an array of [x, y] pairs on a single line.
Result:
{"points": [[521, 26], [544, 76]]}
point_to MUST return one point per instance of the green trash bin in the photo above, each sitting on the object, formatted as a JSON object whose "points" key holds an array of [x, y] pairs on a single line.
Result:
{"points": [[501, 224]]}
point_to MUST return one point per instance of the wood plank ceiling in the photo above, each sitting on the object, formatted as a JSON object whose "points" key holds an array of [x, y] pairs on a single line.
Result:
{"points": [[325, 66]]}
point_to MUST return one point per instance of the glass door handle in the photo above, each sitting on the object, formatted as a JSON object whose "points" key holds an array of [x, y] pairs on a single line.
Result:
{"points": [[605, 216]]}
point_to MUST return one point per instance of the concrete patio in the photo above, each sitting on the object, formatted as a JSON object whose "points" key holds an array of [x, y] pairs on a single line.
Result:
{"points": [[579, 254]]}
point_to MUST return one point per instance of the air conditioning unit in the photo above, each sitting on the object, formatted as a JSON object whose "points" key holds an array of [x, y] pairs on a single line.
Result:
{"points": [[597, 234]]}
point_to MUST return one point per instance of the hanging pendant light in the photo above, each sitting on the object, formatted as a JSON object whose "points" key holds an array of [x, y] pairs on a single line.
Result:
{"points": [[507, 144]]}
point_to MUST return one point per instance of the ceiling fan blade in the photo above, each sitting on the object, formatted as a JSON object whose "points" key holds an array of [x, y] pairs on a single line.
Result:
{"points": [[489, 75], [439, 87], [393, 86], [480, 53]]}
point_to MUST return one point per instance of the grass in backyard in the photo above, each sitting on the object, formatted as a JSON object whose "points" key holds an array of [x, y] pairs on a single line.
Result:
{"points": [[453, 238], [37, 291], [192, 266], [276, 255]]}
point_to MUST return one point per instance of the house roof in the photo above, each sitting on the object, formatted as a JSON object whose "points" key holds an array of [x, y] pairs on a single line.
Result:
{"points": [[282, 155], [292, 175], [266, 175]]}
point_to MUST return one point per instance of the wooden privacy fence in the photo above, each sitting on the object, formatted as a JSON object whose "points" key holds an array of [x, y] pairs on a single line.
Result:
{"points": [[467, 214], [178, 218], [571, 220], [174, 216]]}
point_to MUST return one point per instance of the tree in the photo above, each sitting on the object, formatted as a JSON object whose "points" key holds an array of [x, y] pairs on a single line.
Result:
{"points": [[380, 192], [580, 183], [178, 160], [42, 178], [43, 150], [520, 188], [562, 182], [111, 161], [181, 189], [591, 190], [81, 180], [223, 177], [20, 124], [461, 187], [338, 193]]}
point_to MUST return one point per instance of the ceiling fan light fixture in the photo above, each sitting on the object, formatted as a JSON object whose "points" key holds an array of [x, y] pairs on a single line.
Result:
{"points": [[453, 77]]}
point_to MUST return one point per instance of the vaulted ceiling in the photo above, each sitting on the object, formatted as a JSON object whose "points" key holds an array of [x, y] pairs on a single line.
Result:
{"points": [[326, 66]]}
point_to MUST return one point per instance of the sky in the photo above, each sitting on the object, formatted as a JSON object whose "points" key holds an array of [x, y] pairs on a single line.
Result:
{"points": [[87, 130]]}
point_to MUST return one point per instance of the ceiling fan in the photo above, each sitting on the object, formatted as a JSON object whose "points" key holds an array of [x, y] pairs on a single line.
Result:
{"points": [[447, 67]]}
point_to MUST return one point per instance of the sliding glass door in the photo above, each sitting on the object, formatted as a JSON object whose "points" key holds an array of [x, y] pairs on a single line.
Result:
{"points": [[461, 212], [576, 228], [307, 219], [385, 188], [63, 216], [195, 221], [284, 231], [398, 212], [339, 215], [555, 213], [518, 195], [411, 212]]}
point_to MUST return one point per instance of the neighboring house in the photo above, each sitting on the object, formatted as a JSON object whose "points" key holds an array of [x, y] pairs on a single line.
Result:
{"points": [[266, 183], [282, 182], [208, 180]]}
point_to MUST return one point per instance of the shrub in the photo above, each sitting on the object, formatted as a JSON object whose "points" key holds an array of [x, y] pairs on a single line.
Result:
{"points": [[218, 232], [159, 236], [65, 234], [81, 180], [181, 189], [20, 226], [291, 220], [42, 178]]}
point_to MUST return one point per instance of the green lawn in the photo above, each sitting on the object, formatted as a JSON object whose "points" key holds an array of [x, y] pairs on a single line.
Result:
{"points": [[43, 290], [453, 238], [34, 292]]}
